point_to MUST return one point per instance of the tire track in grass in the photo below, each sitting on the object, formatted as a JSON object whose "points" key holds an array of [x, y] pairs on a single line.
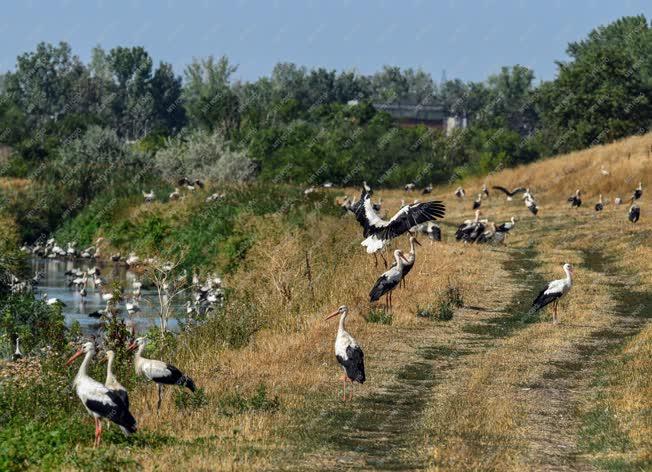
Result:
{"points": [[378, 431]]}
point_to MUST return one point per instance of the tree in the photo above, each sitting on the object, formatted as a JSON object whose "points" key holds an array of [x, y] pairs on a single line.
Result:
{"points": [[94, 162], [44, 84], [210, 102], [603, 93], [169, 113]]}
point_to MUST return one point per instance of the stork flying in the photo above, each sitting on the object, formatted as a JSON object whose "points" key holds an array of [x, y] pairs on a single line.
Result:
{"points": [[348, 353], [553, 292], [99, 400], [509, 193], [378, 231]]}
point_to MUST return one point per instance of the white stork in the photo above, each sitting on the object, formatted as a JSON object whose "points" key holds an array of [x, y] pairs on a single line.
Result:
{"points": [[553, 292], [477, 202], [378, 231], [175, 195], [600, 205], [575, 201], [634, 213], [99, 400], [149, 197], [427, 189], [18, 354], [485, 190], [638, 192], [531, 205], [618, 200], [510, 193], [409, 259], [459, 192], [348, 353], [158, 372], [389, 280], [111, 382]]}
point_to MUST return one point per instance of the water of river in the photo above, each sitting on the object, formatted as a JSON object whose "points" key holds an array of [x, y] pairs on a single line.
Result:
{"points": [[56, 284]]}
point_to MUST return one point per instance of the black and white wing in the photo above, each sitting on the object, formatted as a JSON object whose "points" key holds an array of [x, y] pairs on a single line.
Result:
{"points": [[507, 192], [409, 216], [366, 215], [552, 292]]}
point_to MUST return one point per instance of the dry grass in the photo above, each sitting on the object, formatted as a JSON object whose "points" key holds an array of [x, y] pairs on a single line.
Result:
{"points": [[495, 408]]}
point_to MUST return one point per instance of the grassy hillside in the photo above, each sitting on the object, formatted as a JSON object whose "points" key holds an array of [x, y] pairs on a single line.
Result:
{"points": [[489, 389]]}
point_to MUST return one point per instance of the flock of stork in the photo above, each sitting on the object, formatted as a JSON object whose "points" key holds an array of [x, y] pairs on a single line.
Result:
{"points": [[110, 400]]}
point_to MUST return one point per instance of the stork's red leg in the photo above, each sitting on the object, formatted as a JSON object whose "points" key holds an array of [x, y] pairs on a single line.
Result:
{"points": [[99, 434], [95, 443]]}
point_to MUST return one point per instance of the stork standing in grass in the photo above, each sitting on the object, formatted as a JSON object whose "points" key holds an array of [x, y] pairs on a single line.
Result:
{"points": [[553, 292], [111, 382], [576, 200], [600, 205], [477, 202], [348, 353], [18, 354], [638, 192], [98, 399], [389, 280], [634, 213], [158, 372], [410, 258]]}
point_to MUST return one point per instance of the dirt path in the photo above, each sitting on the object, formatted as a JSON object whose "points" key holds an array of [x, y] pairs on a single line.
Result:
{"points": [[544, 374], [378, 431]]}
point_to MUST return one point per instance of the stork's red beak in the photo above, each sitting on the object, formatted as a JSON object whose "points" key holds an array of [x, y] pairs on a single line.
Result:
{"points": [[75, 356], [132, 346], [335, 313]]}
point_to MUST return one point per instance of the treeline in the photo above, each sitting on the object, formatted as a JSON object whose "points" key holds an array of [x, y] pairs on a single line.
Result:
{"points": [[119, 122]]}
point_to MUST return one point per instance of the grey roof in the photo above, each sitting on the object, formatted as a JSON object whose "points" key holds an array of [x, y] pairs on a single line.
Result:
{"points": [[413, 112]]}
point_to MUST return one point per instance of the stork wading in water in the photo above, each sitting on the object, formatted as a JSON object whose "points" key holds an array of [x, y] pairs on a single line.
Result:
{"points": [[158, 372], [389, 280], [98, 399], [348, 353], [378, 232], [553, 292]]}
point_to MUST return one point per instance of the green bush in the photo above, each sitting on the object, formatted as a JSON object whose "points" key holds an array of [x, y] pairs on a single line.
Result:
{"points": [[236, 403], [380, 316]]}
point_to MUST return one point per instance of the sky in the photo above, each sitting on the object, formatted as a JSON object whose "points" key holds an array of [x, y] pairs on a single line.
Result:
{"points": [[467, 39]]}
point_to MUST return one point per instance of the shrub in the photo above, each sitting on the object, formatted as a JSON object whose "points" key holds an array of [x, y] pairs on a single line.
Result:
{"points": [[236, 403], [380, 316], [185, 400], [203, 155]]}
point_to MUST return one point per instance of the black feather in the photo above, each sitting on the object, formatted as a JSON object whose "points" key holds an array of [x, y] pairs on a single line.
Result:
{"points": [[381, 287], [118, 412], [544, 299], [354, 365]]}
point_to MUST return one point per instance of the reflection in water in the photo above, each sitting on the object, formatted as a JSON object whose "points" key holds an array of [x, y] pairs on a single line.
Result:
{"points": [[56, 284]]}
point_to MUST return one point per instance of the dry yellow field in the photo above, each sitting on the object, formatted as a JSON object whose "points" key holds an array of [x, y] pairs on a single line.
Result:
{"points": [[490, 389]]}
